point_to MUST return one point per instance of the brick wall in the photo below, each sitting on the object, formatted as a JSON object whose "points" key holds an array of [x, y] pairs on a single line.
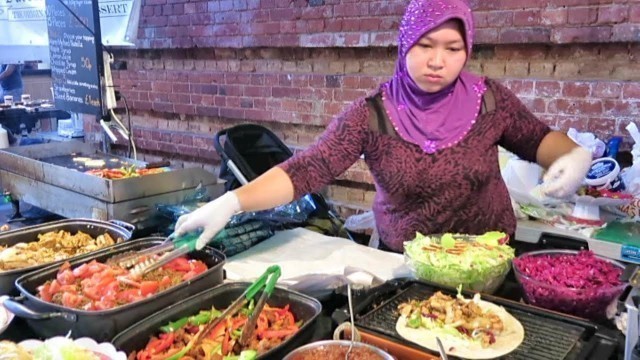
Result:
{"points": [[291, 65]]}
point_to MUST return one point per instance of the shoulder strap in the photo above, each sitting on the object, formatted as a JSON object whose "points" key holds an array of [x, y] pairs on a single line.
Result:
{"points": [[488, 102], [378, 120]]}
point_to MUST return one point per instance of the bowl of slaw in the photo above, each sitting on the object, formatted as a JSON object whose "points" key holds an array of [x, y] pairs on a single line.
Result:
{"points": [[578, 283], [477, 263]]}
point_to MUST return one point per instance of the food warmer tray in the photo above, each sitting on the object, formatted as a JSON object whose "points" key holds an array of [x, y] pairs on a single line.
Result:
{"points": [[94, 228], [45, 176], [303, 307], [48, 319], [548, 335]]}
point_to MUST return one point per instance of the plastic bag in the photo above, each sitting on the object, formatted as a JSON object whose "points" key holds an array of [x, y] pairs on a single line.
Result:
{"points": [[191, 202], [588, 141], [631, 176], [364, 221], [523, 182]]}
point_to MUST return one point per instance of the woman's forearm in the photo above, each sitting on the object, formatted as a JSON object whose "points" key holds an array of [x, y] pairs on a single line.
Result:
{"points": [[271, 189], [553, 145]]}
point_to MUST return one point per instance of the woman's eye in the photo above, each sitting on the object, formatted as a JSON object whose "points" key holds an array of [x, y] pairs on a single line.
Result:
{"points": [[426, 46], [455, 49]]}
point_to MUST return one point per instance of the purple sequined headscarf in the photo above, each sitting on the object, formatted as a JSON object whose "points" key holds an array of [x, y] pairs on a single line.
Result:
{"points": [[438, 120]]}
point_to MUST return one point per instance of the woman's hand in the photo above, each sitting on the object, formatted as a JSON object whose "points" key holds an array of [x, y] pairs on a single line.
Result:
{"points": [[212, 217], [566, 174]]}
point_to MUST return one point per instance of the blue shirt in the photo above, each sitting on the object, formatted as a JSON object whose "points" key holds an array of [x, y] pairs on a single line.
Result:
{"points": [[14, 81]]}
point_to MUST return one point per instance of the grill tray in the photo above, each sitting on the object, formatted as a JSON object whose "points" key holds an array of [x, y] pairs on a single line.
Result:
{"points": [[547, 335]]}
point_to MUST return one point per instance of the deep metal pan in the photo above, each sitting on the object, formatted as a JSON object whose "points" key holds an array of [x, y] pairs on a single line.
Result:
{"points": [[48, 319], [116, 229], [303, 307]]}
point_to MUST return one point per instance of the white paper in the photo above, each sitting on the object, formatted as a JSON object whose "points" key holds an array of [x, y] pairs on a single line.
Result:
{"points": [[313, 262]]}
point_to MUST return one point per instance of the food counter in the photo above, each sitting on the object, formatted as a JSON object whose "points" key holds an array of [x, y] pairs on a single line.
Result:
{"points": [[547, 335]]}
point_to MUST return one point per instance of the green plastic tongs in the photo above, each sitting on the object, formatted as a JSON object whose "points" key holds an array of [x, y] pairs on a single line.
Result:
{"points": [[266, 282], [173, 247]]}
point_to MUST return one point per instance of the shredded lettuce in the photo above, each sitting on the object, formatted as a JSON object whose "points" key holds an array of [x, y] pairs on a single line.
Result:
{"points": [[62, 349], [477, 268]]}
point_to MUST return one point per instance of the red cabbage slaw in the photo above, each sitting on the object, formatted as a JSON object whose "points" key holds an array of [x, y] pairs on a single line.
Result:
{"points": [[577, 283]]}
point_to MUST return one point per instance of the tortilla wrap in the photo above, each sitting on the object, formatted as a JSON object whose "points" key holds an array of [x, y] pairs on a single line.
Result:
{"points": [[506, 342]]}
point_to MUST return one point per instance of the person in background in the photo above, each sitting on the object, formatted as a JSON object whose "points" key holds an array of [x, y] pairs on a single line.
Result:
{"points": [[11, 81], [430, 138]]}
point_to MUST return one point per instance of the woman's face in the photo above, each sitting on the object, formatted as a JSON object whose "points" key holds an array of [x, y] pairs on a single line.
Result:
{"points": [[437, 59]]}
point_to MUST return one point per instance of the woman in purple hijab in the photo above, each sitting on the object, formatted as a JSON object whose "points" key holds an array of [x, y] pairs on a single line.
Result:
{"points": [[430, 138]]}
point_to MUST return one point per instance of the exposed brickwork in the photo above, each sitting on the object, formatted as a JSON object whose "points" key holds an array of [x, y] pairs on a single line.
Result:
{"points": [[365, 23], [292, 65]]}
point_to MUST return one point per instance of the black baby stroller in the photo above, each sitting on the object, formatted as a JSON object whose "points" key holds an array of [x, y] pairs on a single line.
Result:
{"points": [[250, 150]]}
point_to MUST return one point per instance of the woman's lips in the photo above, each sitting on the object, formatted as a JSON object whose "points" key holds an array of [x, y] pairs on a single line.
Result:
{"points": [[433, 78]]}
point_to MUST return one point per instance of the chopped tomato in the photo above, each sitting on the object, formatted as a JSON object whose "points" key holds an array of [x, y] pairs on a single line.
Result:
{"points": [[82, 271], [66, 277], [149, 287], [54, 286], [45, 292], [93, 293], [179, 264], [71, 300], [128, 295]]}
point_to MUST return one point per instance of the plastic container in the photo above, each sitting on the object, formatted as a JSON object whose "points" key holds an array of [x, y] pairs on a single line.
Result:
{"points": [[473, 275], [605, 174], [586, 303]]}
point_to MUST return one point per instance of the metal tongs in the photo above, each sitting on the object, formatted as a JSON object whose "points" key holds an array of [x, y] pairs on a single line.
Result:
{"points": [[172, 248], [266, 282]]}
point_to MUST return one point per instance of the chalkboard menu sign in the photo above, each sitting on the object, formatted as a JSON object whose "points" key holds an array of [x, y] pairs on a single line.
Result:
{"points": [[76, 55]]}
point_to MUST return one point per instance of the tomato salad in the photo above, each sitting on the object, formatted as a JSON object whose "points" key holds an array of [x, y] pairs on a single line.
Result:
{"points": [[274, 326], [94, 286]]}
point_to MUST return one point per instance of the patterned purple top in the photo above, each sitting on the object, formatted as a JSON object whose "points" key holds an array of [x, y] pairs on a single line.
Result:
{"points": [[457, 189]]}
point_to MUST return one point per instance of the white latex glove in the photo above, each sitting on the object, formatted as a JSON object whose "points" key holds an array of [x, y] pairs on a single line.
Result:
{"points": [[567, 173], [211, 218]]}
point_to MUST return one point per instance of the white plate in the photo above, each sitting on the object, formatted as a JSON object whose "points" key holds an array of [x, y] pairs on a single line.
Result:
{"points": [[5, 315], [106, 349]]}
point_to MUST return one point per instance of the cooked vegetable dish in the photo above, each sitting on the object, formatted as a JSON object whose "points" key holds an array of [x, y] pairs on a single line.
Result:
{"points": [[51, 246], [95, 286], [274, 326], [337, 352]]}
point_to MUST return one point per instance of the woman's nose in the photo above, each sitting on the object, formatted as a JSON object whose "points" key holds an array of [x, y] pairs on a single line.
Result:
{"points": [[436, 60]]}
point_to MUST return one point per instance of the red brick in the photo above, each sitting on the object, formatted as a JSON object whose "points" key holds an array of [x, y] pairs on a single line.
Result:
{"points": [[613, 14], [524, 35], [576, 107], [634, 13], [480, 19], [548, 88], [581, 34], [603, 128], [486, 36], [500, 18], [520, 87], [621, 108], [582, 15], [553, 16], [607, 90], [526, 18], [631, 91], [576, 89], [626, 32]]}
